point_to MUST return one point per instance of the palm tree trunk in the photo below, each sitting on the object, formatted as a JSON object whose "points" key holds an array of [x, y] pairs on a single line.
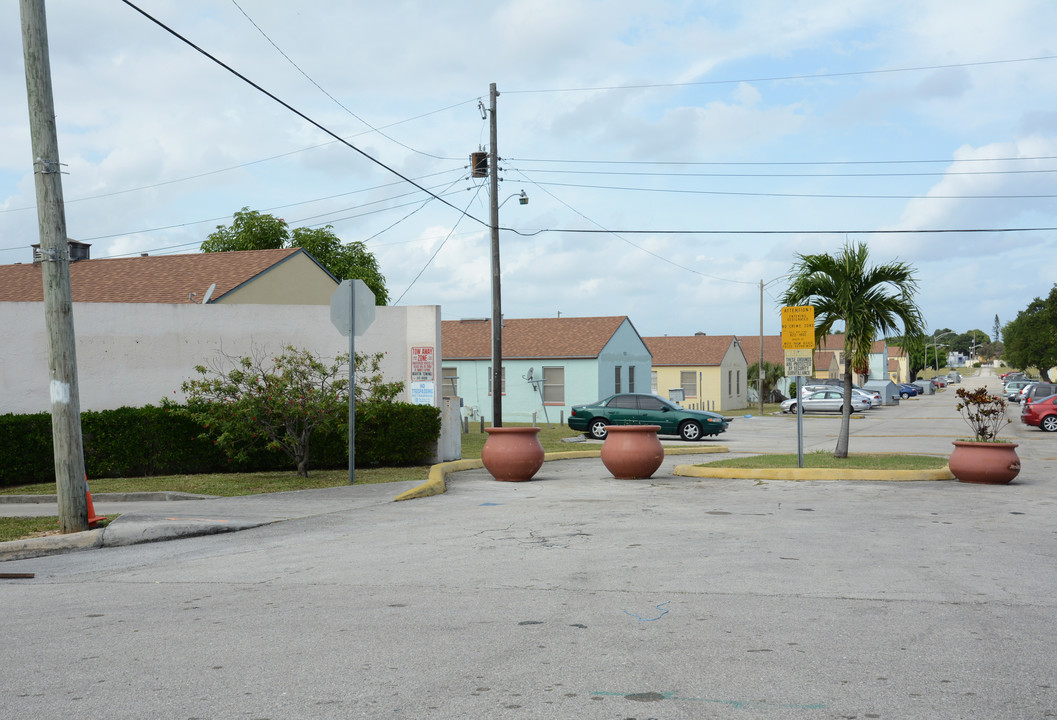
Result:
{"points": [[841, 450]]}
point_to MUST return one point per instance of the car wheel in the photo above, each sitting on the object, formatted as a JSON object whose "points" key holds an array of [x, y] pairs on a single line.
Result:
{"points": [[904, 395], [690, 431], [597, 428], [792, 409], [1049, 423]]}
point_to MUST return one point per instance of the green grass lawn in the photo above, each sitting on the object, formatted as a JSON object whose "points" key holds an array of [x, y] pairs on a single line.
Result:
{"points": [[825, 459], [17, 528]]}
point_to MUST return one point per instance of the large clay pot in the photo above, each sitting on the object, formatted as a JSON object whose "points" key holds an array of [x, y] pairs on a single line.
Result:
{"points": [[984, 462], [512, 453], [632, 451]]}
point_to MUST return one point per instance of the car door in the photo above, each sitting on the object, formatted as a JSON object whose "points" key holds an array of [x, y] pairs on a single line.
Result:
{"points": [[653, 411], [622, 410]]}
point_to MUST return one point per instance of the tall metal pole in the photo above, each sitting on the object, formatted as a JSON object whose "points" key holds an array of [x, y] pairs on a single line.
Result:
{"points": [[55, 270], [760, 386], [497, 310]]}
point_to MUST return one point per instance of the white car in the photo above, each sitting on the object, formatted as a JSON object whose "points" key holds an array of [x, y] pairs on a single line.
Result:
{"points": [[873, 397], [829, 400]]}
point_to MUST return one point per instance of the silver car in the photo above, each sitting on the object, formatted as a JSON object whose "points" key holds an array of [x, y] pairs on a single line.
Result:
{"points": [[828, 400]]}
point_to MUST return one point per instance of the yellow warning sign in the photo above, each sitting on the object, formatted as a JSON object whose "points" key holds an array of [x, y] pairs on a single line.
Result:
{"points": [[798, 327]]}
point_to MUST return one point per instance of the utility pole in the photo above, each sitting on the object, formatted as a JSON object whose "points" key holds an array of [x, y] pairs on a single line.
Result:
{"points": [[497, 310], [55, 270], [760, 387]]}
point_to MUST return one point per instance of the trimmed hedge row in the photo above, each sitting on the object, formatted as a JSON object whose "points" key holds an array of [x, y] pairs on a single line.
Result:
{"points": [[136, 442]]}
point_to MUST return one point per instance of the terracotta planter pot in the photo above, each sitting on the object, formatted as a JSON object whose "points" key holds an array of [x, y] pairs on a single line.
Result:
{"points": [[512, 454], [984, 462], [632, 451]]}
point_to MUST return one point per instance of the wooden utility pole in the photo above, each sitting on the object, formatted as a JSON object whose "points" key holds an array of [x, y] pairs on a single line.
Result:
{"points": [[55, 269], [497, 310]]}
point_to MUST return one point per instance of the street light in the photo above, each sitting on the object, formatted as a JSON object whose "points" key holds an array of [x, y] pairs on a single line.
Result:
{"points": [[936, 348]]}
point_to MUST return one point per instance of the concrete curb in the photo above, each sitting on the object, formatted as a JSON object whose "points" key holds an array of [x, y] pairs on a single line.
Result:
{"points": [[107, 497], [51, 545], [438, 474], [804, 474]]}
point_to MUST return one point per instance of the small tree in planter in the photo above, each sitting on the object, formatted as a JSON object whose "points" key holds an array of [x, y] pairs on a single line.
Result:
{"points": [[983, 412], [984, 459]]}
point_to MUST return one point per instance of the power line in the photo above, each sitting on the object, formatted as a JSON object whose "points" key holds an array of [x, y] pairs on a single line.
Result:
{"points": [[294, 110], [322, 90], [780, 78], [779, 163], [440, 247], [786, 175], [731, 193], [783, 232]]}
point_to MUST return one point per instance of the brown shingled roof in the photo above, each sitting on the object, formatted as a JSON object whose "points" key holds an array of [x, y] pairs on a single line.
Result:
{"points": [[568, 337], [772, 349], [154, 279], [689, 349]]}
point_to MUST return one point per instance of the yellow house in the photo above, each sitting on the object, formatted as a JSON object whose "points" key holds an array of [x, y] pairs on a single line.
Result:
{"points": [[898, 364], [827, 365], [710, 370]]}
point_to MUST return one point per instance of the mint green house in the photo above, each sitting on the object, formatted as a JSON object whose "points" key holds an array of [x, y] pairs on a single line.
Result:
{"points": [[549, 365]]}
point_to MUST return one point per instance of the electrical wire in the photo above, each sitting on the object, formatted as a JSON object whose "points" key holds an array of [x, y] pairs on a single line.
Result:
{"points": [[440, 247], [786, 175], [731, 193], [322, 90], [780, 162], [294, 110], [617, 235], [780, 78]]}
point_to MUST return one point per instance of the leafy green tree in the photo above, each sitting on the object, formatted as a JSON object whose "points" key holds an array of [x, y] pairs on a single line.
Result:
{"points": [[1030, 340], [772, 374], [252, 230], [279, 402], [870, 301]]}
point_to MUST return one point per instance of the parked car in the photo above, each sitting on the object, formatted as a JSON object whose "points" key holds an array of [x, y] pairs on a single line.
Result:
{"points": [[907, 391], [1012, 388], [1006, 377], [828, 400], [873, 397], [939, 382], [954, 377], [645, 409], [1037, 391], [1041, 413]]}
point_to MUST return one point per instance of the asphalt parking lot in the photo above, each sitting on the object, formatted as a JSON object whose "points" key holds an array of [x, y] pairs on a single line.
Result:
{"points": [[573, 596]]}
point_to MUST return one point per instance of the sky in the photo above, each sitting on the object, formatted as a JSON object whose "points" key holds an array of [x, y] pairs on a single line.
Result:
{"points": [[675, 154]]}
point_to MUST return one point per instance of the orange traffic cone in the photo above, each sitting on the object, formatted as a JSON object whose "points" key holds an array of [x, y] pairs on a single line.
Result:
{"points": [[93, 519]]}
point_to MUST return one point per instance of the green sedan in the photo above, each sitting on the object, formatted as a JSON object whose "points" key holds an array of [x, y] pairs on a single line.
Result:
{"points": [[643, 409]]}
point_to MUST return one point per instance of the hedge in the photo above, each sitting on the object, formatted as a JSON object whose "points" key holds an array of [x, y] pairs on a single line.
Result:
{"points": [[136, 442]]}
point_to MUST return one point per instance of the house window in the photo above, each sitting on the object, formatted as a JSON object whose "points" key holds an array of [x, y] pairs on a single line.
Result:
{"points": [[616, 379], [449, 381], [553, 386], [631, 378], [502, 381], [737, 383], [653, 381], [688, 381], [730, 381]]}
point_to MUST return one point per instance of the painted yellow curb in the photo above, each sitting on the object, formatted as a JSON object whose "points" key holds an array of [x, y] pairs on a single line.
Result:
{"points": [[438, 474], [802, 474]]}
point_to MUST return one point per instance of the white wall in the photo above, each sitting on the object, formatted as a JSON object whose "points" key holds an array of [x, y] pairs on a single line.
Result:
{"points": [[134, 354]]}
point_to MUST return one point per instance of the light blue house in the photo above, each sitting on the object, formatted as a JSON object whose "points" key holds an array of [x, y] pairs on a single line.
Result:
{"points": [[549, 365]]}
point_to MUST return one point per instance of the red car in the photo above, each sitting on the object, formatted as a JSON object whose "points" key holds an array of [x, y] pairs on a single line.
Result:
{"points": [[1042, 413]]}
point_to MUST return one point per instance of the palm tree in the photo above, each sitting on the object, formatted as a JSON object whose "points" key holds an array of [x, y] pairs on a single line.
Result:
{"points": [[869, 301]]}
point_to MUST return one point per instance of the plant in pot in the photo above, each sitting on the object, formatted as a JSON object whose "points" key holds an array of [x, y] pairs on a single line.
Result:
{"points": [[985, 458]]}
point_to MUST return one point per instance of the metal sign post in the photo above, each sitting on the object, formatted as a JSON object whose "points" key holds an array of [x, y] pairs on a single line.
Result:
{"points": [[352, 312], [798, 341]]}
